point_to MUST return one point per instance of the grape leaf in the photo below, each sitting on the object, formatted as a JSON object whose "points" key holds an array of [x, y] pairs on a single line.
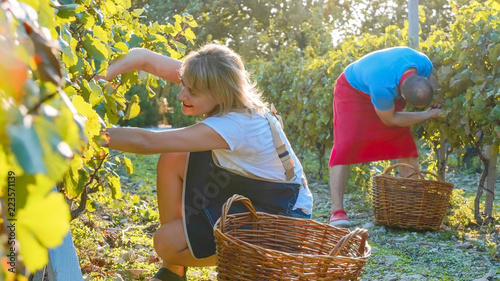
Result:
{"points": [[41, 224], [26, 146], [133, 108]]}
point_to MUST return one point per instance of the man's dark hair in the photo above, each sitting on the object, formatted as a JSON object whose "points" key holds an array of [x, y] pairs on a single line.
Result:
{"points": [[417, 90]]}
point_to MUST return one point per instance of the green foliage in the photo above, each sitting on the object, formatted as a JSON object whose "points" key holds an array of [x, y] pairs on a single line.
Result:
{"points": [[252, 28], [468, 71], [149, 115], [52, 110], [40, 227], [258, 30], [461, 212], [38, 132], [377, 15]]}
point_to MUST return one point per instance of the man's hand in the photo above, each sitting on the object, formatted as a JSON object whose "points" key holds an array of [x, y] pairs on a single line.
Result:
{"points": [[435, 111], [439, 105]]}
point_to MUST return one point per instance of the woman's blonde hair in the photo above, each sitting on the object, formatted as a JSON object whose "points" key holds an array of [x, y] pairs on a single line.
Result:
{"points": [[219, 71]]}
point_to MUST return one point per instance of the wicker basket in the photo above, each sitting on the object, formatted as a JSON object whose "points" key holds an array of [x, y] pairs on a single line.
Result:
{"points": [[410, 203], [261, 246]]}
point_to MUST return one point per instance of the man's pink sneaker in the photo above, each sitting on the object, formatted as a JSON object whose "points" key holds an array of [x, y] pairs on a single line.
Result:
{"points": [[338, 218]]}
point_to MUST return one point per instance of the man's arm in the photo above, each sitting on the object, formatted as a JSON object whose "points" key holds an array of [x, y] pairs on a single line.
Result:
{"points": [[403, 119], [145, 60]]}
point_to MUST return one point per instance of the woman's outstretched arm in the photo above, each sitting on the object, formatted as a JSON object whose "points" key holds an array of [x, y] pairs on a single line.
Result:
{"points": [[145, 60], [198, 137]]}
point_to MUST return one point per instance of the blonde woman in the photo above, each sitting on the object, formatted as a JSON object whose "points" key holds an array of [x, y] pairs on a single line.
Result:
{"points": [[238, 148]]}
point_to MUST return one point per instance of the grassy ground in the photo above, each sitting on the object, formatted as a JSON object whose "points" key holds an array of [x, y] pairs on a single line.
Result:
{"points": [[114, 240], [455, 252]]}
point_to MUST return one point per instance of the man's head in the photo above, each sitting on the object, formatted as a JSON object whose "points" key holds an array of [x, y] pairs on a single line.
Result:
{"points": [[417, 90]]}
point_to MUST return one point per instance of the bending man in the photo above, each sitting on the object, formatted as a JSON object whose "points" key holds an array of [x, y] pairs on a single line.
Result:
{"points": [[369, 121]]}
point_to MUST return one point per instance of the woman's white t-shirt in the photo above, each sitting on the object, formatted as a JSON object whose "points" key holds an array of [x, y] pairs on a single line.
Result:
{"points": [[252, 153]]}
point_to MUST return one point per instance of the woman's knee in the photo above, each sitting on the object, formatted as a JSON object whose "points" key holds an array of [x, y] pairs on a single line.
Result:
{"points": [[161, 244], [169, 241]]}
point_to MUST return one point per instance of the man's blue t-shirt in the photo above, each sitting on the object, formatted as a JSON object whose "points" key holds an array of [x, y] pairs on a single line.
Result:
{"points": [[378, 73]]}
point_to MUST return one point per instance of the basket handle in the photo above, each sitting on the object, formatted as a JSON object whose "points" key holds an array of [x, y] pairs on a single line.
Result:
{"points": [[227, 206], [428, 173], [363, 233], [415, 171]]}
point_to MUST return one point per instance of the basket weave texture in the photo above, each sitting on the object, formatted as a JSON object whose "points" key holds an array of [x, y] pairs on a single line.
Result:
{"points": [[261, 246], [419, 204]]}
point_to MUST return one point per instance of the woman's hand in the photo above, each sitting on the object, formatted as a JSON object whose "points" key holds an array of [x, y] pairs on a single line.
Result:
{"points": [[102, 139], [100, 77]]}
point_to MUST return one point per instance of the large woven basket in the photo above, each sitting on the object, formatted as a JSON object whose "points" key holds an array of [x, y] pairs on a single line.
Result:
{"points": [[419, 204], [261, 246]]}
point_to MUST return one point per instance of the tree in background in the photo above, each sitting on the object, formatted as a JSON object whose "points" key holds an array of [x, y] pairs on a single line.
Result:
{"points": [[355, 17], [253, 28], [256, 28]]}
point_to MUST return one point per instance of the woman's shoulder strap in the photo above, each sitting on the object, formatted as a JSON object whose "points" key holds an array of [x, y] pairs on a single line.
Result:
{"points": [[279, 144]]}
